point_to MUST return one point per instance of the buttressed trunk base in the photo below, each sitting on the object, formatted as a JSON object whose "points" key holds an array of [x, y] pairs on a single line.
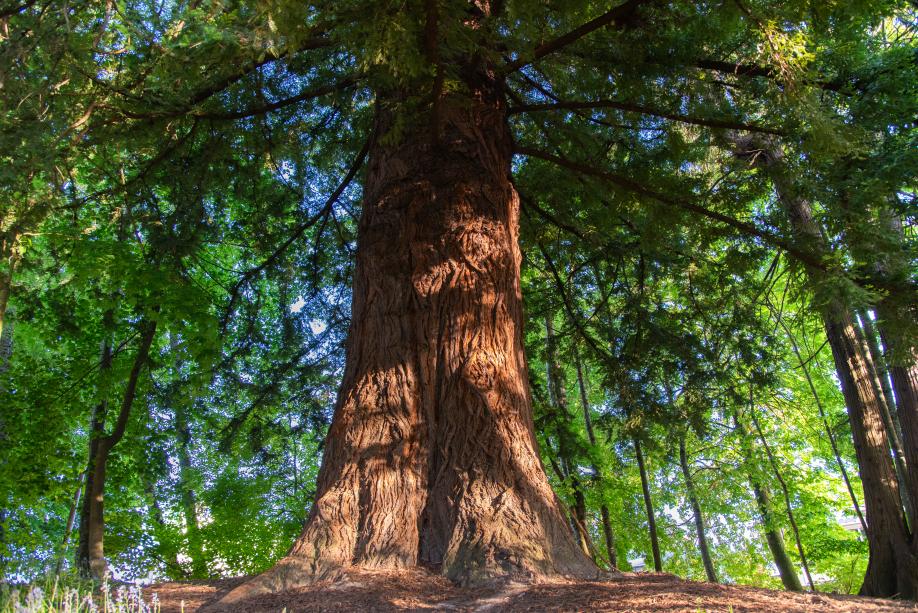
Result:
{"points": [[431, 457]]}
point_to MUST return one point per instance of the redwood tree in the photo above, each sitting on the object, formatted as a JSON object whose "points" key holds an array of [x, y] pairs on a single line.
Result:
{"points": [[431, 458]]}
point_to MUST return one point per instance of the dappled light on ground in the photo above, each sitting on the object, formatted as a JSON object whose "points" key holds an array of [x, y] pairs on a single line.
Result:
{"points": [[418, 590]]}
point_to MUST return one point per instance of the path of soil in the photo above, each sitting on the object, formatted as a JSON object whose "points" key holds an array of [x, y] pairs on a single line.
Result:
{"points": [[420, 591]]}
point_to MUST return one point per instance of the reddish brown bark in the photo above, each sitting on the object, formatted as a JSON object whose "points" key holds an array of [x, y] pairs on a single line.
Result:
{"points": [[902, 353], [431, 456], [903, 370], [892, 569]]}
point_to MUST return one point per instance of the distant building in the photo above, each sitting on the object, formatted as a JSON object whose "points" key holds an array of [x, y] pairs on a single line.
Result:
{"points": [[850, 523], [637, 564]]}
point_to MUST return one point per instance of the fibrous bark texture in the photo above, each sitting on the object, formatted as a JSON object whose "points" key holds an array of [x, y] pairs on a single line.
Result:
{"points": [[431, 457], [893, 566], [892, 569]]}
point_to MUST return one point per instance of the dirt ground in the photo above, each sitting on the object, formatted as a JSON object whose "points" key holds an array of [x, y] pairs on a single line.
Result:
{"points": [[418, 590]]}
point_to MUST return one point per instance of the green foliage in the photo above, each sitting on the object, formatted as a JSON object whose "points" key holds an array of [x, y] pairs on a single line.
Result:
{"points": [[172, 161]]}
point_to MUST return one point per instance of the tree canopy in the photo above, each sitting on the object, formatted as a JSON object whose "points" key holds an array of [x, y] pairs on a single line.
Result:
{"points": [[706, 189]]}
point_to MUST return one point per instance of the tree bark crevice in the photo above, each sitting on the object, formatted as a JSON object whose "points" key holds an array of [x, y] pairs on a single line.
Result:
{"points": [[431, 457]]}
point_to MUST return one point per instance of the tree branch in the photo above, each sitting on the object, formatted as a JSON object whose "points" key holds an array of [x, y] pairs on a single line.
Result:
{"points": [[148, 332], [682, 203], [298, 232], [274, 106], [755, 70], [621, 14], [637, 108], [220, 85]]}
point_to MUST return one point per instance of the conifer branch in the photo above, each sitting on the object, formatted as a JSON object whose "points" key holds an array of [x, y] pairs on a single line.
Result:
{"points": [[298, 232], [620, 15], [311, 94], [644, 110], [687, 204]]}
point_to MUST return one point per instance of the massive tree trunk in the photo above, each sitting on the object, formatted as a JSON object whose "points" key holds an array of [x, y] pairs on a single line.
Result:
{"points": [[886, 403], [431, 456], [903, 370], [902, 354], [823, 417], [893, 566], [696, 513]]}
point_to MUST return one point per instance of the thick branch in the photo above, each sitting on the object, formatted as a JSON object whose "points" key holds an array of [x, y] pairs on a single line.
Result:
{"points": [[621, 14], [637, 108], [148, 332], [755, 70]]}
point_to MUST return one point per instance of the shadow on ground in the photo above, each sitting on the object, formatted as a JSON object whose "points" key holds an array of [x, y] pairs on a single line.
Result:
{"points": [[418, 590]]}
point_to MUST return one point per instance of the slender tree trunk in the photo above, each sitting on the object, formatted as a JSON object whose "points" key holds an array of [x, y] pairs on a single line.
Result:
{"points": [[893, 566], [11, 259], [104, 446], [648, 506], [775, 539], [174, 569], [5, 283], [6, 351], [591, 436], [68, 529], [189, 500], [773, 534], [96, 432], [558, 392], [787, 503], [431, 456], [186, 476], [696, 512], [885, 400], [825, 421]]}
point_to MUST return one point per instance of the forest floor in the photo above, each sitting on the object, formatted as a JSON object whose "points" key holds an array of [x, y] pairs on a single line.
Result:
{"points": [[421, 591]]}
